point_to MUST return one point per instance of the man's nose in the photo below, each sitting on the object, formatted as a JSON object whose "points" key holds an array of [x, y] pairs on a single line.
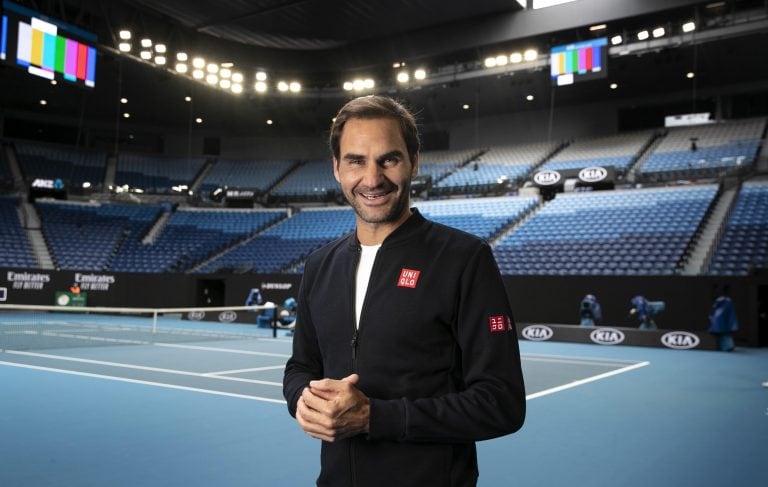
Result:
{"points": [[373, 175]]}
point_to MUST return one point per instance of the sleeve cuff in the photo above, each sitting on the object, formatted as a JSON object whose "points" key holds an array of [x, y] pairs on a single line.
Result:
{"points": [[387, 421]]}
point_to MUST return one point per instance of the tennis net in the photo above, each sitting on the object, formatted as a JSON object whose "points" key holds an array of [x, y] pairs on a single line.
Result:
{"points": [[31, 327]]}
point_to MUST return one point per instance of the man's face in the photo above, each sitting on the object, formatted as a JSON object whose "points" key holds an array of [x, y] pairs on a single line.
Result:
{"points": [[374, 170]]}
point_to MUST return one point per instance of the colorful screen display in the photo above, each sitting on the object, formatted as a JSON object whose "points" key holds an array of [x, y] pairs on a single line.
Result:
{"points": [[581, 60], [46, 47]]}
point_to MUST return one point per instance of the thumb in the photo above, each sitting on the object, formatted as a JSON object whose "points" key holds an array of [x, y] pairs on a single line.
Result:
{"points": [[352, 379]]}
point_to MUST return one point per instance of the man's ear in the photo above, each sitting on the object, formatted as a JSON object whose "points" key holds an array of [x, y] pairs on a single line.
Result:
{"points": [[415, 166], [336, 169]]}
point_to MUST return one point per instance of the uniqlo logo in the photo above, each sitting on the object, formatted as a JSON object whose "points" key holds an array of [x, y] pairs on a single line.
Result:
{"points": [[408, 278], [499, 323]]}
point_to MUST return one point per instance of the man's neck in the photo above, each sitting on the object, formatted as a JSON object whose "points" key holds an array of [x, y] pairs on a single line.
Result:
{"points": [[376, 233]]}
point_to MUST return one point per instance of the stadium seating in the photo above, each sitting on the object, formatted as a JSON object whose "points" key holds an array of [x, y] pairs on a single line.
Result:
{"points": [[87, 236], [719, 148], [492, 168], [483, 217], [251, 174], [619, 151], [189, 237], [15, 250], [743, 246], [312, 181], [637, 232], [154, 174], [74, 166], [286, 244]]}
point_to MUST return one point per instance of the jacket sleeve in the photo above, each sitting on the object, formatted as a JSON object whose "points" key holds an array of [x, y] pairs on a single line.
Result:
{"points": [[491, 402], [306, 362]]}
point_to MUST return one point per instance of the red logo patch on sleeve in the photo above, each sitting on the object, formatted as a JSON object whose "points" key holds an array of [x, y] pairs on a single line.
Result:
{"points": [[499, 323], [408, 278]]}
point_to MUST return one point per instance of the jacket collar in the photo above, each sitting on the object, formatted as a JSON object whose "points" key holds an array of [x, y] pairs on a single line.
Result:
{"points": [[401, 234]]}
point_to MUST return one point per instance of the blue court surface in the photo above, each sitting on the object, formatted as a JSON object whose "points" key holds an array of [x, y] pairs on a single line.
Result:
{"points": [[210, 412]]}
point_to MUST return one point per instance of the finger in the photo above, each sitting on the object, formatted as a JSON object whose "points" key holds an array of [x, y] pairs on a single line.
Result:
{"points": [[351, 379]]}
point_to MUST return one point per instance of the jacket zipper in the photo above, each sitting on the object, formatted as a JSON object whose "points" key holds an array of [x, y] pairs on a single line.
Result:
{"points": [[354, 343]]}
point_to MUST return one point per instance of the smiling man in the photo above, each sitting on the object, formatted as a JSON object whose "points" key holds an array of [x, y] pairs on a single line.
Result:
{"points": [[405, 351]]}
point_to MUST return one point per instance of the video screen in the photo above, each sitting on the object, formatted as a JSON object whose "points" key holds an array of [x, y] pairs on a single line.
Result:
{"points": [[579, 61], [46, 47]]}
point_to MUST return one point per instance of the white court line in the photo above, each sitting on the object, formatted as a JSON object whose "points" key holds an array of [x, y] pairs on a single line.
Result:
{"points": [[574, 360], [144, 382], [140, 367], [585, 381], [240, 371], [217, 349]]}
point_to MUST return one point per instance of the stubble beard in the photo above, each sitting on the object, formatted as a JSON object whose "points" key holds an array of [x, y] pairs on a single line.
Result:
{"points": [[396, 210]]}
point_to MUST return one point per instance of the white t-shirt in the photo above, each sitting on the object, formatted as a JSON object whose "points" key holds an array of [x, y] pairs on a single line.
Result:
{"points": [[364, 269]]}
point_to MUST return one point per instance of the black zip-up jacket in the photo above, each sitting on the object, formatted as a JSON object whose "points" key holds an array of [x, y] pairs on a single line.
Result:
{"points": [[436, 352]]}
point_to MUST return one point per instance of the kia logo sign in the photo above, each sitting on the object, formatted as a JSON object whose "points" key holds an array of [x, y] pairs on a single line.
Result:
{"points": [[593, 174], [546, 178], [607, 336], [680, 340], [537, 333], [227, 316], [196, 315]]}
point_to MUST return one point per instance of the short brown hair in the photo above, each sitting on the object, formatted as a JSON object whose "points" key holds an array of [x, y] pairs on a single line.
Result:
{"points": [[372, 107]]}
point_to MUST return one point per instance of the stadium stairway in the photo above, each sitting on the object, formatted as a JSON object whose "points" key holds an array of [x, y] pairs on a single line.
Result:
{"points": [[645, 153], [35, 235], [701, 255], [13, 166], [110, 171]]}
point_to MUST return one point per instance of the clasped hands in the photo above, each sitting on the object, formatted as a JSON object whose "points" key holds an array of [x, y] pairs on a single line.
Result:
{"points": [[331, 410]]}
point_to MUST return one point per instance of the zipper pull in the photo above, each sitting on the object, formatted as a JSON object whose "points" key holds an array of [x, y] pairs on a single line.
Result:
{"points": [[354, 344]]}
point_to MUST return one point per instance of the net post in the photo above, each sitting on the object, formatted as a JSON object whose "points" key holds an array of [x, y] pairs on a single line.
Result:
{"points": [[154, 322], [274, 323]]}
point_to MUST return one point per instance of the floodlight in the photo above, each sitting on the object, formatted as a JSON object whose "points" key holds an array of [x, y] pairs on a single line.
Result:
{"points": [[643, 35], [123, 100], [198, 74], [160, 48], [212, 79], [658, 32], [515, 57], [124, 47], [182, 56], [261, 76], [125, 35], [420, 74], [529, 97], [282, 86], [358, 85], [260, 87], [212, 68], [613, 86], [181, 67], [198, 62], [43, 102], [348, 85], [146, 42], [225, 73], [237, 88], [126, 115], [616, 40], [146, 55], [368, 83], [187, 98], [237, 77], [530, 54], [295, 87], [198, 120], [690, 75], [403, 77], [490, 62], [160, 60], [689, 27], [501, 60]]}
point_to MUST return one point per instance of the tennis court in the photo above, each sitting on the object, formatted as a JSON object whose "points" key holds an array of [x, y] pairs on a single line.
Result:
{"points": [[98, 400]]}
